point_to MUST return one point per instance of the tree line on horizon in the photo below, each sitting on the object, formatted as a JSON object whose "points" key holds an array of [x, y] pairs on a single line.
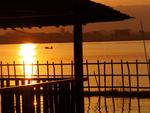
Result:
{"points": [[66, 36]]}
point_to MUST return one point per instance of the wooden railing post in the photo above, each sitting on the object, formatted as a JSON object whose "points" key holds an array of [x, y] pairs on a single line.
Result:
{"points": [[46, 100], [7, 101], [28, 100], [38, 99]]}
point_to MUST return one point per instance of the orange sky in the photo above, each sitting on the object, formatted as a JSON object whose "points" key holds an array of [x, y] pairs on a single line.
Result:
{"points": [[123, 2]]}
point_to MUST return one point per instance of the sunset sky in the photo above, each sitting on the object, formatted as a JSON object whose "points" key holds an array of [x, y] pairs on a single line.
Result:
{"points": [[123, 2]]}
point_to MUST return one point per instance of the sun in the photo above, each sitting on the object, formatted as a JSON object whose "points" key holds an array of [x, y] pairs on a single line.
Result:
{"points": [[27, 53]]}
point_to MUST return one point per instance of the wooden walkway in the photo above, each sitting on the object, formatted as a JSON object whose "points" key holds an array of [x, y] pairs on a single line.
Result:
{"points": [[49, 97]]}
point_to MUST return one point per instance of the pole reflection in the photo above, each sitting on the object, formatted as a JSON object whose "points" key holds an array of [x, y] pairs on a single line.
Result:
{"points": [[102, 104]]}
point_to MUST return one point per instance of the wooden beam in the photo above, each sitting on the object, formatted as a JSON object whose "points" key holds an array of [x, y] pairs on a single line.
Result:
{"points": [[78, 60]]}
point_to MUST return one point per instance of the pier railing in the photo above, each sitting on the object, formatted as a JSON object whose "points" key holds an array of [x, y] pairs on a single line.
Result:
{"points": [[49, 97], [103, 77]]}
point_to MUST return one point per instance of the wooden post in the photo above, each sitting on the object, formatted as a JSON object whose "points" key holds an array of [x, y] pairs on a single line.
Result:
{"points": [[2, 81], [8, 80], [7, 101], [105, 87], [78, 61], [54, 72], [87, 71], [28, 100], [112, 75], [129, 76], [47, 69], [38, 72], [122, 74], [99, 78], [137, 76], [61, 67], [72, 68]]}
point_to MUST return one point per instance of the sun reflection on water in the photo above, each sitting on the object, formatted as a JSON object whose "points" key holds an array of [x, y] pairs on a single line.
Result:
{"points": [[27, 52]]}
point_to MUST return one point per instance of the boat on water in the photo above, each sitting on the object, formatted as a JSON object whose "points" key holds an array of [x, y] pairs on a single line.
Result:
{"points": [[47, 47]]}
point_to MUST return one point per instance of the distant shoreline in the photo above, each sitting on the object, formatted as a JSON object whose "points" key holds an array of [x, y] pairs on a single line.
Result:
{"points": [[42, 42], [67, 37]]}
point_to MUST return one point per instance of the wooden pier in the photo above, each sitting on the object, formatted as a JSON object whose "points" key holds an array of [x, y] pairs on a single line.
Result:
{"points": [[49, 97]]}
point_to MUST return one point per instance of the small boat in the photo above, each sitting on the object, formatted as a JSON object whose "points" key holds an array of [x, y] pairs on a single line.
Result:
{"points": [[51, 47]]}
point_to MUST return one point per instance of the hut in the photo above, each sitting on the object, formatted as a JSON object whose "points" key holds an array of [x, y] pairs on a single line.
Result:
{"points": [[39, 13]]}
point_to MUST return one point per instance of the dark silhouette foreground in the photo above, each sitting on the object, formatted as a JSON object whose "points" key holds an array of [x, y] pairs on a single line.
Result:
{"points": [[38, 13]]}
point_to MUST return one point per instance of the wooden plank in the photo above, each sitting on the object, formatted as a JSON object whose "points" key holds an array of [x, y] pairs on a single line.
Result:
{"points": [[51, 101], [56, 98], [17, 99], [46, 99], [38, 99], [7, 101], [28, 100]]}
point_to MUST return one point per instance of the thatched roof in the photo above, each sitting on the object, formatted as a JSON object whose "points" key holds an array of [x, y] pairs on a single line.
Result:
{"points": [[39, 13]]}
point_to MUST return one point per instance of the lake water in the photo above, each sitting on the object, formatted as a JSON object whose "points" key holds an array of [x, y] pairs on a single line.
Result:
{"points": [[104, 51], [93, 51]]}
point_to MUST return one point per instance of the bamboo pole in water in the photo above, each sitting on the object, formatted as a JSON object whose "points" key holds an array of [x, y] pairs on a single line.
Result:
{"points": [[15, 74], [38, 71], [2, 81], [137, 73], [99, 78], [24, 74], [8, 76], [54, 73], [72, 69], [47, 65], [112, 72], [122, 73], [129, 77], [105, 77], [61, 69], [87, 71], [112, 75]]}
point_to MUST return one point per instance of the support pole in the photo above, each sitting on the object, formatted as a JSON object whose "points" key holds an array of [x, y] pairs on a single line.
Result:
{"points": [[78, 60]]}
